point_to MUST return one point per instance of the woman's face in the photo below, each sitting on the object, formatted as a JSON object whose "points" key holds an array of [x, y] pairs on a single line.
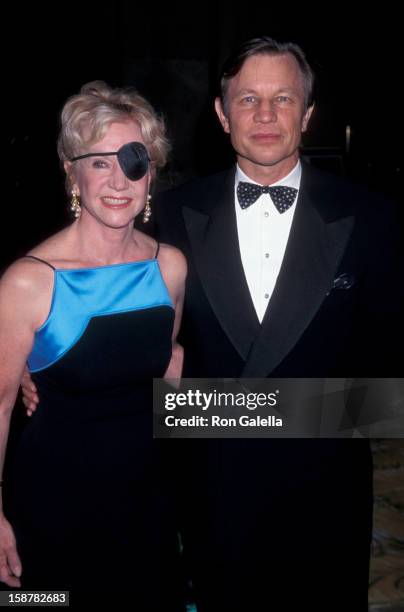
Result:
{"points": [[105, 191]]}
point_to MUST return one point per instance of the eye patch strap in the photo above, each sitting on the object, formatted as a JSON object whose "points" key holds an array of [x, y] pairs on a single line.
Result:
{"points": [[92, 155], [132, 157]]}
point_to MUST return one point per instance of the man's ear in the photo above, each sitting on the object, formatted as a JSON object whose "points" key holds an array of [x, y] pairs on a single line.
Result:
{"points": [[306, 117], [222, 116]]}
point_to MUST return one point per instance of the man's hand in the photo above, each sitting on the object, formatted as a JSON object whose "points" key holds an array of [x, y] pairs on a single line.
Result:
{"points": [[10, 564], [29, 393]]}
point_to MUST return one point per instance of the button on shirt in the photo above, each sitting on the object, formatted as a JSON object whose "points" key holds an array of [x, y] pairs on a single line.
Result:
{"points": [[263, 234]]}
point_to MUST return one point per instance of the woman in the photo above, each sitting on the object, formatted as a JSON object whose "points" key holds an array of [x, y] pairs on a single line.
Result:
{"points": [[95, 311]]}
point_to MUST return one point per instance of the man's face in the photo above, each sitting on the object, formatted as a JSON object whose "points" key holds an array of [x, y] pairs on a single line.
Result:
{"points": [[265, 115]]}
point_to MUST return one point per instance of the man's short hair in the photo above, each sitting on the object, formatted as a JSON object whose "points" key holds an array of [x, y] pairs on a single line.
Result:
{"points": [[265, 45]]}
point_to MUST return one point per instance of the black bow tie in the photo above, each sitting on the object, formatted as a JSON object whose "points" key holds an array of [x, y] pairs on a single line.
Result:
{"points": [[282, 197]]}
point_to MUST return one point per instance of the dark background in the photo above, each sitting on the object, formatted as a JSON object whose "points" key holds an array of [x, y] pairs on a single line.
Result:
{"points": [[171, 55]]}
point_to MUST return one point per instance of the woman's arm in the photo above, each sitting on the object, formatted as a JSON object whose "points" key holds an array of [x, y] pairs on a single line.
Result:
{"points": [[174, 270], [24, 293]]}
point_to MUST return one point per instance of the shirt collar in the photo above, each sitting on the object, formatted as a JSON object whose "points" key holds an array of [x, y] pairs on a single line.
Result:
{"points": [[290, 180]]}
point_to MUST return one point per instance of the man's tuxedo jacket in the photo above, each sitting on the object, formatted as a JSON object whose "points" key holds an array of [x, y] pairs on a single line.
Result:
{"points": [[270, 519]]}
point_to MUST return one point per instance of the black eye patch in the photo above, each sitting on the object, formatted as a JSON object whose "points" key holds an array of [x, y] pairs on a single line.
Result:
{"points": [[132, 158]]}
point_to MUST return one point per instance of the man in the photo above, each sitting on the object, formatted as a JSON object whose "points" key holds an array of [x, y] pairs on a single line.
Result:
{"points": [[296, 281], [300, 283]]}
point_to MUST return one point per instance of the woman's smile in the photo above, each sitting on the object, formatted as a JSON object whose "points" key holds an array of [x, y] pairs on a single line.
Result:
{"points": [[115, 203]]}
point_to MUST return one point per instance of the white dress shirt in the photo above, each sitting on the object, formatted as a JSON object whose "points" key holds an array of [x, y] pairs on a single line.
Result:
{"points": [[263, 234]]}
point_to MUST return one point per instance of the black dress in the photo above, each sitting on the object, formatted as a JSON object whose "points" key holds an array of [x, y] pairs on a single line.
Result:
{"points": [[90, 498]]}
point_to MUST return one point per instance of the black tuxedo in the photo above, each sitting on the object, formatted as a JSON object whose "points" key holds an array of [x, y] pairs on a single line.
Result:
{"points": [[289, 520]]}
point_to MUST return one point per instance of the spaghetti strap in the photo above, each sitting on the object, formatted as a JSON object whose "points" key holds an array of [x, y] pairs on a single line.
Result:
{"points": [[41, 260], [157, 251]]}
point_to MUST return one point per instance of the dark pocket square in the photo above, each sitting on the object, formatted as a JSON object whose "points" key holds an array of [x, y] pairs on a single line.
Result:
{"points": [[343, 281]]}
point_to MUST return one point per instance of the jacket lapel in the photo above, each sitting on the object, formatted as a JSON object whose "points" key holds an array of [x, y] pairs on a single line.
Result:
{"points": [[315, 247], [214, 242]]}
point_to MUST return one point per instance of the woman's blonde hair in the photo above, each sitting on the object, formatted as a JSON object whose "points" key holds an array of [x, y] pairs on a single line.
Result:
{"points": [[86, 116]]}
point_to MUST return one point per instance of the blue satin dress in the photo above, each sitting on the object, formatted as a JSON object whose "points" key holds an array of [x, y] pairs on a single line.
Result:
{"points": [[91, 491]]}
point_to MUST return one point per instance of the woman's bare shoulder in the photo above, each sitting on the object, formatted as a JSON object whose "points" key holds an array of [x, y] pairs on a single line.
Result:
{"points": [[173, 267], [27, 282], [173, 258]]}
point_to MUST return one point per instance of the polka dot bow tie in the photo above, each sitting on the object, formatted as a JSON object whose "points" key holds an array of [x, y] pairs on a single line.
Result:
{"points": [[282, 197]]}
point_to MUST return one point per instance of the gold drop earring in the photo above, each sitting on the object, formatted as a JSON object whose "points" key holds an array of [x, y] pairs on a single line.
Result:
{"points": [[147, 209], [75, 205]]}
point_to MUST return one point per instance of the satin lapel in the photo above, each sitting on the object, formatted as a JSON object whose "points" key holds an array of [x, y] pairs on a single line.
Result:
{"points": [[214, 243], [314, 250]]}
